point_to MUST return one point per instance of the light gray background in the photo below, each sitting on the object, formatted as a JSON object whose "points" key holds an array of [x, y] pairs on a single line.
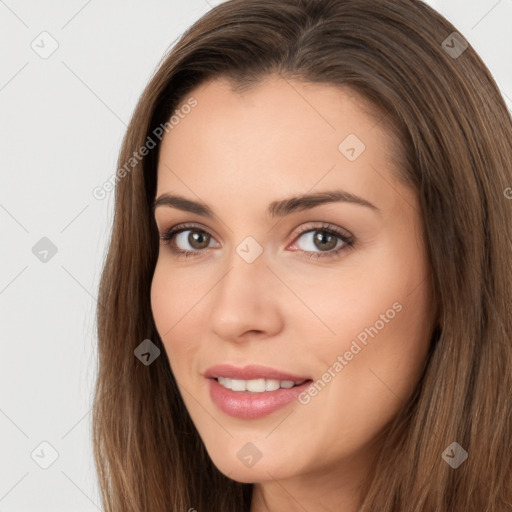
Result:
{"points": [[62, 122]]}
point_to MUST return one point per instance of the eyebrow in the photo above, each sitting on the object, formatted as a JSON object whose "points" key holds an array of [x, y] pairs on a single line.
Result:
{"points": [[275, 209]]}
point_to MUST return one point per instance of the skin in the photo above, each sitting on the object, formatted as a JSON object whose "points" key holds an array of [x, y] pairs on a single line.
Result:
{"points": [[237, 153]]}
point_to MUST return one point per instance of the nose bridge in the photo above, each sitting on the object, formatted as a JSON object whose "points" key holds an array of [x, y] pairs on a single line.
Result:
{"points": [[245, 297], [247, 270]]}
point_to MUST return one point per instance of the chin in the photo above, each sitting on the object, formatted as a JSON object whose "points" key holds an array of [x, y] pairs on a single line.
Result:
{"points": [[233, 471], [260, 471]]}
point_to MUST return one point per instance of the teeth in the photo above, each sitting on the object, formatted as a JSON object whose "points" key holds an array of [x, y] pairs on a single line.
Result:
{"points": [[272, 384], [256, 385]]}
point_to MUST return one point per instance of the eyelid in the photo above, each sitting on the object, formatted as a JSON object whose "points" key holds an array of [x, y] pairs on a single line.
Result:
{"points": [[310, 226], [323, 226], [185, 226]]}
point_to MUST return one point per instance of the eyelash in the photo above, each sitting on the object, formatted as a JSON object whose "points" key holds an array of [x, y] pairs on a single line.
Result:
{"points": [[167, 238]]}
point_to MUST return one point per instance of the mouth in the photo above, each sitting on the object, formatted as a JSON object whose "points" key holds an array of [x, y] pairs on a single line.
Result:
{"points": [[251, 405], [254, 391], [260, 385], [252, 376]]}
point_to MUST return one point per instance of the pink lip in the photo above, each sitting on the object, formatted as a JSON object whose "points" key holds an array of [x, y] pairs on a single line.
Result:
{"points": [[246, 404], [250, 372]]}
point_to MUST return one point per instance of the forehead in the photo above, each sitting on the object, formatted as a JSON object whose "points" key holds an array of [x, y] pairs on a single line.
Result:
{"points": [[279, 135]]}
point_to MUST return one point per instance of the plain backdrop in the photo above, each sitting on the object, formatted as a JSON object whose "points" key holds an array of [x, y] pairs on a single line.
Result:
{"points": [[63, 115]]}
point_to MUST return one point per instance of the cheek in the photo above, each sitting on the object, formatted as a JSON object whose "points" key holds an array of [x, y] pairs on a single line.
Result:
{"points": [[336, 308], [162, 303], [175, 294], [381, 323], [361, 385], [172, 301], [397, 355]]}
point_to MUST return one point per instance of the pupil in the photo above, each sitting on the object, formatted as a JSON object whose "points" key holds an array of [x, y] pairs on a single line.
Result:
{"points": [[323, 238], [198, 238]]}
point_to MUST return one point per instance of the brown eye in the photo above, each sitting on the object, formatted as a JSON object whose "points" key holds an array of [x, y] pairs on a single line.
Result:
{"points": [[322, 241], [187, 240], [197, 239]]}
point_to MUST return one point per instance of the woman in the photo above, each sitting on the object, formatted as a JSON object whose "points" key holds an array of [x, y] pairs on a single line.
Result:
{"points": [[305, 303]]}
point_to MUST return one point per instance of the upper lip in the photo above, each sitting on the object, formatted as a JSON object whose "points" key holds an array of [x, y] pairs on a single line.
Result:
{"points": [[251, 372]]}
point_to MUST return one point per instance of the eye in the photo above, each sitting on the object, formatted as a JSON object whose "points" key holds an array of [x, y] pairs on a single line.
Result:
{"points": [[320, 241], [186, 240], [324, 241]]}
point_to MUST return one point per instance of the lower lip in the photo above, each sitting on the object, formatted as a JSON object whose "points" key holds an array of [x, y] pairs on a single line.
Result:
{"points": [[249, 405]]}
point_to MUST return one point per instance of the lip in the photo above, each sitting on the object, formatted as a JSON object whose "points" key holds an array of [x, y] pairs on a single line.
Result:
{"points": [[247, 404], [252, 371]]}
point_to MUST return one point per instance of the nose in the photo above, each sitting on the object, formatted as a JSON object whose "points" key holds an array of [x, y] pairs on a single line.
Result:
{"points": [[247, 301]]}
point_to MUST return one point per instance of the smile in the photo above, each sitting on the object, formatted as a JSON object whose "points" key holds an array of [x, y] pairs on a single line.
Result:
{"points": [[257, 385]]}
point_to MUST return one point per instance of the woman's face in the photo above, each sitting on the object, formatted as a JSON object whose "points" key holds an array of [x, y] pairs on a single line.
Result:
{"points": [[332, 290]]}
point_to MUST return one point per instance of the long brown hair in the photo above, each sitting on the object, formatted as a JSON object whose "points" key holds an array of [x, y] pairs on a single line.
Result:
{"points": [[456, 150]]}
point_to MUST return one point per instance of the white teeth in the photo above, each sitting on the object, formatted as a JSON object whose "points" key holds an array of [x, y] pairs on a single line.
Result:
{"points": [[271, 385], [238, 385], [256, 385]]}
